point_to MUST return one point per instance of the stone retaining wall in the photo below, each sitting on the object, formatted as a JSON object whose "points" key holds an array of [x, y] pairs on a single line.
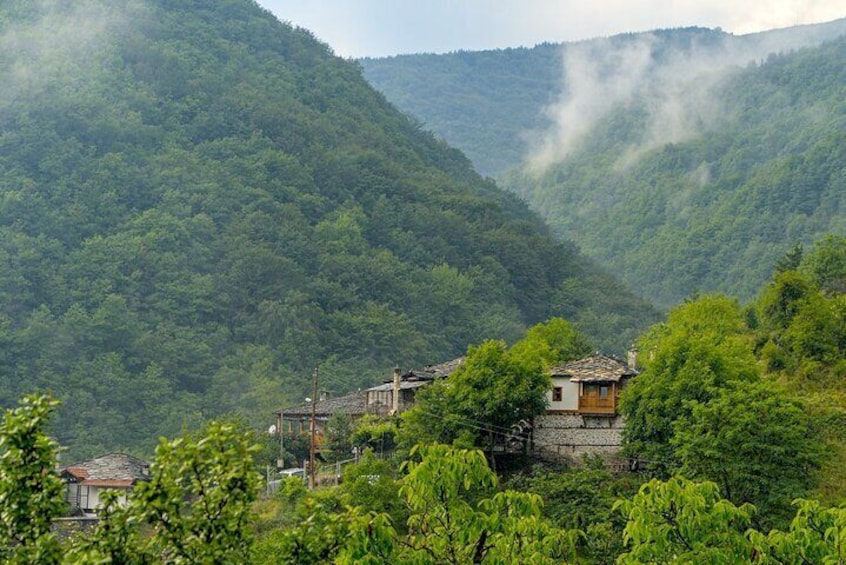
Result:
{"points": [[67, 527], [572, 436]]}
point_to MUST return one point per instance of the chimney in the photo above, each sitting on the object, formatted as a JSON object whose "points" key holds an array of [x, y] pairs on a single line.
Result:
{"points": [[631, 357], [396, 395]]}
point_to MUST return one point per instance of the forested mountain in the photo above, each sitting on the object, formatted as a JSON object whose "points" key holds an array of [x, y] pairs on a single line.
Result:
{"points": [[493, 104], [198, 204], [683, 160], [482, 102], [736, 421], [714, 210]]}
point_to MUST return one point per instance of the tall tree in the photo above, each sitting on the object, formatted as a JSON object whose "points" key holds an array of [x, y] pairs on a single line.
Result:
{"points": [[756, 444], [553, 342], [491, 391], [826, 264], [702, 347], [802, 328]]}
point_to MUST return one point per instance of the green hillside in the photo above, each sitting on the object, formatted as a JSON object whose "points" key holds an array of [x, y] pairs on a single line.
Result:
{"points": [[682, 160], [198, 204], [716, 209], [494, 104], [479, 101]]}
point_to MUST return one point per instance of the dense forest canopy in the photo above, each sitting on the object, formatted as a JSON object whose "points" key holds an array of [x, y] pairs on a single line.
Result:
{"points": [[714, 209], [683, 160], [198, 204], [481, 102], [731, 467], [493, 104]]}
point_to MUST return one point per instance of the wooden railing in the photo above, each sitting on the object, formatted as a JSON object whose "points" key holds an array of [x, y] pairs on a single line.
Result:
{"points": [[597, 405]]}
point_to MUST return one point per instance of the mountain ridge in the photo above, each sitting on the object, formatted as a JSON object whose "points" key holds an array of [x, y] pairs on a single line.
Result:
{"points": [[638, 154], [494, 131]]}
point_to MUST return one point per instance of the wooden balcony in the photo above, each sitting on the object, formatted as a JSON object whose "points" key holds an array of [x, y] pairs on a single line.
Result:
{"points": [[598, 399]]}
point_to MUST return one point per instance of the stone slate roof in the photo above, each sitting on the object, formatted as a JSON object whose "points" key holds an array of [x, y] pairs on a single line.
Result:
{"points": [[352, 404], [112, 470], [432, 372], [595, 369], [404, 385]]}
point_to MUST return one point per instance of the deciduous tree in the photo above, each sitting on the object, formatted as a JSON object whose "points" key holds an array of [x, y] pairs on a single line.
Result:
{"points": [[491, 391], [553, 342], [755, 443], [702, 347], [817, 534], [30, 489], [199, 495], [458, 517], [681, 522]]}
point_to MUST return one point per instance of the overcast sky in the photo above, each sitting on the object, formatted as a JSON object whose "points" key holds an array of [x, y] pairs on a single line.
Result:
{"points": [[358, 28]]}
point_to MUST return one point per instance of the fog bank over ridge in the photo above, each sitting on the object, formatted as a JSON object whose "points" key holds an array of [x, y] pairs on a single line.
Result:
{"points": [[671, 75]]}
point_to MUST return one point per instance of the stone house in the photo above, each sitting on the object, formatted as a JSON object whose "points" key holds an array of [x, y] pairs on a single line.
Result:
{"points": [[397, 395], [296, 420], [391, 397], [582, 414], [86, 482]]}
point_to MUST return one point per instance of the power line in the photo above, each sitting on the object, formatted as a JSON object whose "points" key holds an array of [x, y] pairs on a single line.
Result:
{"points": [[479, 425]]}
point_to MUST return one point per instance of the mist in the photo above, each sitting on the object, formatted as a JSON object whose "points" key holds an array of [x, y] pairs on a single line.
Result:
{"points": [[54, 45], [674, 77]]}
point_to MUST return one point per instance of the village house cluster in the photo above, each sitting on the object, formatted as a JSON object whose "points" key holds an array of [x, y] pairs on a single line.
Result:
{"points": [[581, 418]]}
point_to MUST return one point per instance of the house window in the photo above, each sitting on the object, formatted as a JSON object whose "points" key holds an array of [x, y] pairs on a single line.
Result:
{"points": [[84, 494], [556, 394], [603, 392]]}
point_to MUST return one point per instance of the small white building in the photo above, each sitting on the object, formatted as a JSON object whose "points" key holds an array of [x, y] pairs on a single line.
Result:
{"points": [[85, 482], [582, 414]]}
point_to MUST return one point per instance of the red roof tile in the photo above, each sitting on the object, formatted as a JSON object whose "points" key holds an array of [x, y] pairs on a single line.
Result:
{"points": [[109, 483]]}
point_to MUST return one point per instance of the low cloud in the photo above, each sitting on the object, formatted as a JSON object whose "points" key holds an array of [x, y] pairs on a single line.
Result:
{"points": [[50, 40], [672, 77], [599, 76]]}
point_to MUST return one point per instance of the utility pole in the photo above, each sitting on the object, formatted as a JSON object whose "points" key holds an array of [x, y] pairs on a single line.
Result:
{"points": [[281, 462], [493, 457], [311, 446]]}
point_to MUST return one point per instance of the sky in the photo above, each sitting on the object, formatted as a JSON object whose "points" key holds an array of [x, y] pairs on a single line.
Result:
{"points": [[378, 28]]}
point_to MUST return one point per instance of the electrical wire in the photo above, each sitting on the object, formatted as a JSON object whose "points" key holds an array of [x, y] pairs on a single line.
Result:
{"points": [[479, 425]]}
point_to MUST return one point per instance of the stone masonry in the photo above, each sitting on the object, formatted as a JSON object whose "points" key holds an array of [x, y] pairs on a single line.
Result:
{"points": [[572, 436]]}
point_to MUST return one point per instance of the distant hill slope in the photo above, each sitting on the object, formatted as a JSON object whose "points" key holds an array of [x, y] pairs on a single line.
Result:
{"points": [[199, 203], [682, 160], [492, 104], [482, 102], [715, 210]]}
